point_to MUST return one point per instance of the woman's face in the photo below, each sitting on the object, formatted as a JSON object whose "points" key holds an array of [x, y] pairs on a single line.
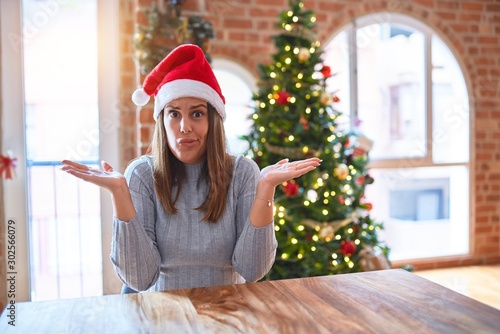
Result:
{"points": [[186, 125]]}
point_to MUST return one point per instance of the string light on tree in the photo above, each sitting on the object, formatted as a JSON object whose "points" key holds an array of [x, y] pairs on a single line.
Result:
{"points": [[325, 223]]}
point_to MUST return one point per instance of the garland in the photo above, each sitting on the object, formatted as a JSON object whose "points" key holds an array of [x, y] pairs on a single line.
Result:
{"points": [[166, 29]]}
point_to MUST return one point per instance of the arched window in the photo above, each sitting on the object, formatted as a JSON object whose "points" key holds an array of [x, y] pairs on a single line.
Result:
{"points": [[237, 85], [402, 87]]}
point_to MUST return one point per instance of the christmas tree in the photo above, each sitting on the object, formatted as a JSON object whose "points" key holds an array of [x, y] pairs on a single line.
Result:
{"points": [[322, 219]]}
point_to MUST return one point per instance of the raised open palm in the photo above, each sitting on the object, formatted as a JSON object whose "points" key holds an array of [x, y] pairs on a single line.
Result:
{"points": [[284, 170]]}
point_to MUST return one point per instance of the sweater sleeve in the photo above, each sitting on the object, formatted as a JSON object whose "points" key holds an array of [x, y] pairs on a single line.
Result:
{"points": [[255, 249], [134, 251]]}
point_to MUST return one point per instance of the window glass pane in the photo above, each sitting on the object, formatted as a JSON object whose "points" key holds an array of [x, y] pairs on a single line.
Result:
{"points": [[450, 107], [238, 108], [60, 90], [424, 210], [337, 57], [391, 89]]}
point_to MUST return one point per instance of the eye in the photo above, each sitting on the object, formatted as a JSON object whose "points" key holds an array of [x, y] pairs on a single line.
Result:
{"points": [[198, 113], [173, 113]]}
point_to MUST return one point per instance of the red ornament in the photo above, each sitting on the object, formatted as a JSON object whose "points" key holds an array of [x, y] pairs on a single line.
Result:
{"points": [[326, 71], [282, 97], [360, 180], [367, 206], [347, 248], [290, 188], [7, 166], [358, 152], [341, 200], [304, 123], [336, 99]]}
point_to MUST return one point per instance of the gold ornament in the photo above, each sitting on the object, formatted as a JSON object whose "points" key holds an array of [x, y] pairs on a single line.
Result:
{"points": [[342, 171], [325, 98], [330, 228], [304, 54]]}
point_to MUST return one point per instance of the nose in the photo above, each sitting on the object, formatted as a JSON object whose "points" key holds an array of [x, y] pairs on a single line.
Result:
{"points": [[185, 125]]}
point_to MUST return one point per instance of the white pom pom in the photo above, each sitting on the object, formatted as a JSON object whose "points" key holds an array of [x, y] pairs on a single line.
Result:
{"points": [[139, 97]]}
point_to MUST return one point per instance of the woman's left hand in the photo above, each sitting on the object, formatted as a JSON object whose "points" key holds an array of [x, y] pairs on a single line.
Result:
{"points": [[284, 170]]}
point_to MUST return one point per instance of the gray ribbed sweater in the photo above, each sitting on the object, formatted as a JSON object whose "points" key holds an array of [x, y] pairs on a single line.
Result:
{"points": [[158, 251]]}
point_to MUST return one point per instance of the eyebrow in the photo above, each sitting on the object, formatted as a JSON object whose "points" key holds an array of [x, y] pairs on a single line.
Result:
{"points": [[192, 107]]}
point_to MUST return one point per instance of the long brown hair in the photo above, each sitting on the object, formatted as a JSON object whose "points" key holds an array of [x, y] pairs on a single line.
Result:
{"points": [[170, 172]]}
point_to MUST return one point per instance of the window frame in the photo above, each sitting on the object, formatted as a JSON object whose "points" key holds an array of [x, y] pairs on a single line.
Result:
{"points": [[13, 136], [427, 159]]}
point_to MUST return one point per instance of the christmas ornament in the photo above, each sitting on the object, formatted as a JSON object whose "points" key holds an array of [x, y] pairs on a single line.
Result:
{"points": [[332, 226], [291, 188], [327, 233], [304, 54], [342, 171], [360, 181], [347, 248], [367, 206], [326, 71], [358, 152], [7, 166], [336, 99], [341, 199], [325, 98], [282, 97], [304, 123]]}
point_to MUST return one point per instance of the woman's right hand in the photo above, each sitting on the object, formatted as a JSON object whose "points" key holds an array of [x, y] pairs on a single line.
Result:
{"points": [[106, 177], [109, 179]]}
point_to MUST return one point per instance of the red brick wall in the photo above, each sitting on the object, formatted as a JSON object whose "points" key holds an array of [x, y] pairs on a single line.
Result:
{"points": [[470, 28]]}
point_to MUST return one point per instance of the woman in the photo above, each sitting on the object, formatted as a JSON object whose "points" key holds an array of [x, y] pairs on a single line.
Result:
{"points": [[189, 214]]}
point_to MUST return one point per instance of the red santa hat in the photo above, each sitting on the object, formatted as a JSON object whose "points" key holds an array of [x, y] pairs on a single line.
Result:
{"points": [[184, 72]]}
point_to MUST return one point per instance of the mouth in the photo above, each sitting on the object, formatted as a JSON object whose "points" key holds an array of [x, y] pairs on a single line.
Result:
{"points": [[187, 142]]}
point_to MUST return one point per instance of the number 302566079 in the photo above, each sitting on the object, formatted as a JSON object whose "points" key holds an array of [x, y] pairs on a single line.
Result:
{"points": [[11, 247]]}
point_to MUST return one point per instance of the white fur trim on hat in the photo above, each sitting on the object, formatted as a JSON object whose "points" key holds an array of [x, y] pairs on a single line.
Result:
{"points": [[188, 88]]}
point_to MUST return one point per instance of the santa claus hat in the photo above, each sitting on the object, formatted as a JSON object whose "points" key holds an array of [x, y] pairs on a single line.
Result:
{"points": [[184, 72]]}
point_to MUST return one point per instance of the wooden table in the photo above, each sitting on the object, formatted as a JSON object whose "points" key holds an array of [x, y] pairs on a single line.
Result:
{"points": [[388, 301]]}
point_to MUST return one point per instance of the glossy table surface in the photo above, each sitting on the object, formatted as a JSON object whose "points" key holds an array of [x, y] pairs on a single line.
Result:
{"points": [[386, 301]]}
